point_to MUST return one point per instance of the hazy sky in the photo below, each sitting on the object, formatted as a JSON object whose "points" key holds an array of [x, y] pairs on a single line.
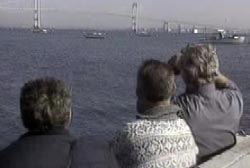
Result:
{"points": [[93, 13]]}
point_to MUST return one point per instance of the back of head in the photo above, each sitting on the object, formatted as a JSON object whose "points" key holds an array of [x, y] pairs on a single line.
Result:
{"points": [[155, 81], [45, 104], [199, 63]]}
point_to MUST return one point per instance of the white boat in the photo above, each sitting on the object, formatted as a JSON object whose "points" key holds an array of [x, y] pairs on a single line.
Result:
{"points": [[221, 38], [39, 30], [143, 34], [95, 35]]}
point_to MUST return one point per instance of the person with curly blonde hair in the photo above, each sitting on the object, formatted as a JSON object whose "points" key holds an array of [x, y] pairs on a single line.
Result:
{"points": [[212, 103]]}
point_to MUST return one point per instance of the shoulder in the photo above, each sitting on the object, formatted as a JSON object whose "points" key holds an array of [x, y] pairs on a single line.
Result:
{"points": [[189, 103], [11, 153], [93, 151], [92, 143], [231, 96], [12, 147], [231, 91], [185, 99], [149, 128]]}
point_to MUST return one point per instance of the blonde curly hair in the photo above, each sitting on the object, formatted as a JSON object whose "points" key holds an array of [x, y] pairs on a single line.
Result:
{"points": [[199, 63]]}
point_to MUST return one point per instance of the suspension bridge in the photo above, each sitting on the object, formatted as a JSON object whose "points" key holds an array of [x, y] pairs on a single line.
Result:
{"points": [[37, 9]]}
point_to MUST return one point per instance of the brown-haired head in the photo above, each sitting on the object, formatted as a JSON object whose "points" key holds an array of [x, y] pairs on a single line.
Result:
{"points": [[155, 81], [45, 104]]}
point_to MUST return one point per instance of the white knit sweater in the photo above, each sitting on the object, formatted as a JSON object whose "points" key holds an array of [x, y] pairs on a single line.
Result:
{"points": [[155, 144]]}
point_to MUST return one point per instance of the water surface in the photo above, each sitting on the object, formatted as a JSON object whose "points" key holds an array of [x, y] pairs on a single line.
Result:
{"points": [[101, 73]]}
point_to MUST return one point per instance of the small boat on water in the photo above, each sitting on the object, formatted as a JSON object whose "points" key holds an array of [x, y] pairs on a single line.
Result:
{"points": [[222, 38], [143, 34], [95, 35], [39, 30]]}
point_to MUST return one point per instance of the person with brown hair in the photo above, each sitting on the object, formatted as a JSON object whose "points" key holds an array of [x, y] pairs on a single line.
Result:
{"points": [[46, 112], [159, 138]]}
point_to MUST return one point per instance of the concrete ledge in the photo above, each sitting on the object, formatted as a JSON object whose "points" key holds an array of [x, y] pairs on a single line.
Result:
{"points": [[236, 157]]}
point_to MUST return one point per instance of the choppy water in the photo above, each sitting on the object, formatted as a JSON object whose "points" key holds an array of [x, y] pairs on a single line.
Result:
{"points": [[101, 73]]}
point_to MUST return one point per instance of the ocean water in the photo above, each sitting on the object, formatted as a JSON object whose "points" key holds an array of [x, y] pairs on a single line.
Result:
{"points": [[101, 73]]}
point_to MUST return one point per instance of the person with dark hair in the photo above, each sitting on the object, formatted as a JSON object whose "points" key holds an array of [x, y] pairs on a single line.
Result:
{"points": [[46, 112], [159, 138], [212, 103]]}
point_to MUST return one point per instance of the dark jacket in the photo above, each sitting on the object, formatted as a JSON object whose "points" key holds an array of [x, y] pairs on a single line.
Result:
{"points": [[38, 150], [93, 152], [213, 116]]}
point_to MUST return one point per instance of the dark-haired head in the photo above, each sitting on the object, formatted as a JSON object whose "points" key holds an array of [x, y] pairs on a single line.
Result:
{"points": [[155, 82], [45, 104]]}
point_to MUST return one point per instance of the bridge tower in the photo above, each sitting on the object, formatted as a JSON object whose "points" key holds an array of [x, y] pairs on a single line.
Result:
{"points": [[134, 17], [179, 28], [166, 26], [37, 15]]}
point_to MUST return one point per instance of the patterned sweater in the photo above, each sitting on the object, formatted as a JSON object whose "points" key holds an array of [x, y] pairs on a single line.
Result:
{"points": [[155, 142]]}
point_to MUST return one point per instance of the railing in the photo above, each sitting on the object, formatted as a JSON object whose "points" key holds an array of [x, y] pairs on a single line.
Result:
{"points": [[236, 157]]}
